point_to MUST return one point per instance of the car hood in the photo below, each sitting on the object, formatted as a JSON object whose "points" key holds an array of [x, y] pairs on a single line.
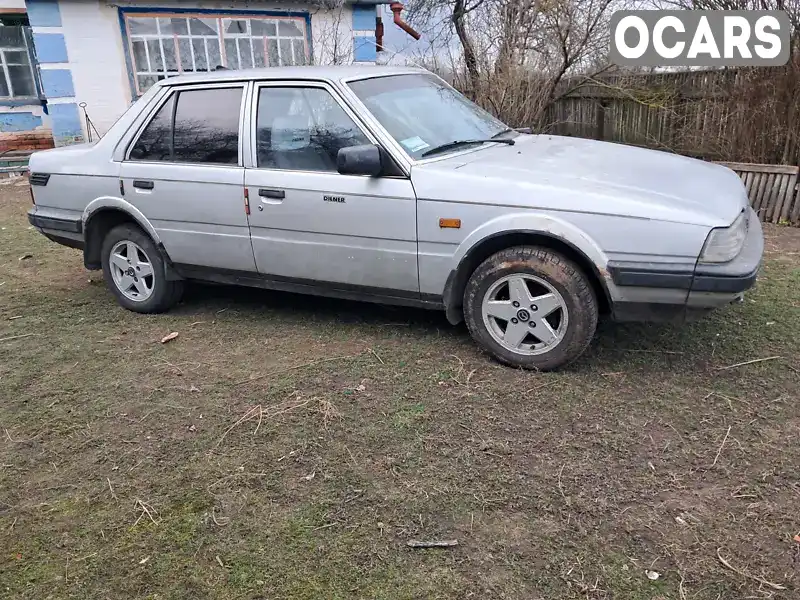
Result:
{"points": [[572, 174]]}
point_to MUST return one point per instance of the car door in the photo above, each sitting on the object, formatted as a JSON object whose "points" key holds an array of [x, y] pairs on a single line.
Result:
{"points": [[310, 224], [184, 173]]}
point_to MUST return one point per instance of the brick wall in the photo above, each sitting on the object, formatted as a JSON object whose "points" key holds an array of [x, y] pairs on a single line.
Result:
{"points": [[36, 139]]}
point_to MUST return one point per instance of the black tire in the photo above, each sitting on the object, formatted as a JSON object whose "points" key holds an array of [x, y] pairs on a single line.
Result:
{"points": [[561, 273], [165, 294]]}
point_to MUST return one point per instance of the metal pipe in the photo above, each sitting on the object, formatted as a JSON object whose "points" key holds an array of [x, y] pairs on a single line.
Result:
{"points": [[397, 8]]}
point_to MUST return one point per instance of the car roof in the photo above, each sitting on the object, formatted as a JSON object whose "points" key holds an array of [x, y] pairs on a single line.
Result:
{"points": [[330, 73]]}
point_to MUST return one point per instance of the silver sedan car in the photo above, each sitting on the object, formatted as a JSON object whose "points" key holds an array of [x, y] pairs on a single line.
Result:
{"points": [[385, 184]]}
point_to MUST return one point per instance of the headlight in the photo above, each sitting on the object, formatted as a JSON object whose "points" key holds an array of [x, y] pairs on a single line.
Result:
{"points": [[725, 243]]}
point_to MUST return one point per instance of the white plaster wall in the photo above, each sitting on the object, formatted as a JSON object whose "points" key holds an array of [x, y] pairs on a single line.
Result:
{"points": [[6, 4], [332, 35], [97, 57]]}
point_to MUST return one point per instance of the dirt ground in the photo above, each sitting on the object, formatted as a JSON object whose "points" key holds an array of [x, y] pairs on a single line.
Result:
{"points": [[289, 447]]}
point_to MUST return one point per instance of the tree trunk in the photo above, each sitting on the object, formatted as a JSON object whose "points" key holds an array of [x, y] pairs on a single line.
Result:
{"points": [[470, 60]]}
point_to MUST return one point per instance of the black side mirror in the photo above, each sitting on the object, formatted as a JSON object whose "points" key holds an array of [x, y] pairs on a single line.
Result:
{"points": [[360, 160]]}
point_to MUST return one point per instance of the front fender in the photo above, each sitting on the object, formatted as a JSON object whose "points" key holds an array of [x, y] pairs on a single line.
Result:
{"points": [[472, 249], [112, 202], [526, 222]]}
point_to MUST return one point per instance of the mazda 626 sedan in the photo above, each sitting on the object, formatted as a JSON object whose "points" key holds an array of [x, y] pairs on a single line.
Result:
{"points": [[386, 184]]}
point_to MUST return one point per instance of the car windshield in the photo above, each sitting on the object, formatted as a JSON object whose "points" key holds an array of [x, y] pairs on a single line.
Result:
{"points": [[422, 113]]}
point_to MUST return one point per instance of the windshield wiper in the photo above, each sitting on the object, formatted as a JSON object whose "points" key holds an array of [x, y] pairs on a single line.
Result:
{"points": [[457, 143], [503, 132]]}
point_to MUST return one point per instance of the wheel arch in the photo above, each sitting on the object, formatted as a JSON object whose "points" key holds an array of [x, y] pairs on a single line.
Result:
{"points": [[493, 243], [101, 216]]}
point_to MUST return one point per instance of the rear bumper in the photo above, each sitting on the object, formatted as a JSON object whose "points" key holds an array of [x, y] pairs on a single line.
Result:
{"points": [[54, 223], [64, 231], [650, 294]]}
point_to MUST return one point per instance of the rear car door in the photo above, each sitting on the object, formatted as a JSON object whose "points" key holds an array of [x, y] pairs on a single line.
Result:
{"points": [[184, 173], [310, 224]]}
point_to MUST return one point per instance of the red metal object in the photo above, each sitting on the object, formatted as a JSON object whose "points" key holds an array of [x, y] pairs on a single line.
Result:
{"points": [[397, 8]]}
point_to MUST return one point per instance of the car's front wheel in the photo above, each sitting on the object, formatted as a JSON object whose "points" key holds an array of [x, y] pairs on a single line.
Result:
{"points": [[134, 271], [530, 307]]}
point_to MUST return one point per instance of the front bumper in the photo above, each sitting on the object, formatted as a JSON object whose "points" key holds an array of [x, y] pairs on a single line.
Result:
{"points": [[665, 295], [739, 274]]}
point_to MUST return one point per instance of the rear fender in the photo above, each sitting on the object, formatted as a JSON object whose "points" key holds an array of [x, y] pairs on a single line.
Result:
{"points": [[106, 202], [91, 249]]}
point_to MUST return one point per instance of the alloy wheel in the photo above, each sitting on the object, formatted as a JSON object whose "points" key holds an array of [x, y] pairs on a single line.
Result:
{"points": [[132, 271], [525, 314]]}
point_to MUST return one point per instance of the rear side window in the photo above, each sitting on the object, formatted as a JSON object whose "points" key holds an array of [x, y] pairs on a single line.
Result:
{"points": [[156, 140], [207, 126], [194, 126]]}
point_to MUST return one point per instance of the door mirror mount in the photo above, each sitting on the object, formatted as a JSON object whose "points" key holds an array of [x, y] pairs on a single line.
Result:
{"points": [[364, 159]]}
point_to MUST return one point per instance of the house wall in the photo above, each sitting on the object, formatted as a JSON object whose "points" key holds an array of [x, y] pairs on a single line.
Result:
{"points": [[49, 39], [332, 35], [97, 60], [81, 50], [22, 126], [364, 48], [12, 6]]}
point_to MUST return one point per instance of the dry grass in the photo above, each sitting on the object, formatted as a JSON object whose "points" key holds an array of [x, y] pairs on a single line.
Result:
{"points": [[240, 461]]}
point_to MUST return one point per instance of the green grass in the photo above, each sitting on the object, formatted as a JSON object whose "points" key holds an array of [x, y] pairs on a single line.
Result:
{"points": [[558, 485]]}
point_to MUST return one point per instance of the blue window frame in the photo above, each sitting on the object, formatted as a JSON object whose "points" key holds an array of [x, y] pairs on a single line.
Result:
{"points": [[161, 43]]}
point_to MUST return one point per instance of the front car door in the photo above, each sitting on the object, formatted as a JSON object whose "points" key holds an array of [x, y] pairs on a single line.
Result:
{"points": [[184, 173], [310, 224]]}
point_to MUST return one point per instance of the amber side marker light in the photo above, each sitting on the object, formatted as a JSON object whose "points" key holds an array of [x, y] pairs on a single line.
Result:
{"points": [[450, 223]]}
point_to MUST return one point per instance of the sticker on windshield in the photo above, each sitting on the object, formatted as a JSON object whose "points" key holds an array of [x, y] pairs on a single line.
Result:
{"points": [[414, 144]]}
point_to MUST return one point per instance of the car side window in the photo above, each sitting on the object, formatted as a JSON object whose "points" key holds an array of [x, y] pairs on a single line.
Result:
{"points": [[155, 142], [207, 126], [302, 129], [194, 126]]}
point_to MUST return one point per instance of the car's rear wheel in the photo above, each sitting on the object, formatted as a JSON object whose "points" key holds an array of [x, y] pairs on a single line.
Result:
{"points": [[530, 307], [134, 271]]}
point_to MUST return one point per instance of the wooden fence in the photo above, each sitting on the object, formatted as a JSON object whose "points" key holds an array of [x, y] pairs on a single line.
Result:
{"points": [[746, 116], [772, 190]]}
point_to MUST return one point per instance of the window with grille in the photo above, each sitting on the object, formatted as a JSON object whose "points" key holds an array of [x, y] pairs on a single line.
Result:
{"points": [[166, 45], [17, 75]]}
